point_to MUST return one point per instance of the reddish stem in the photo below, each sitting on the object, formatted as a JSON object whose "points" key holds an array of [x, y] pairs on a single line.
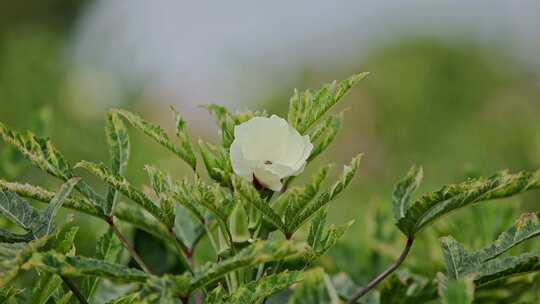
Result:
{"points": [[375, 281]]}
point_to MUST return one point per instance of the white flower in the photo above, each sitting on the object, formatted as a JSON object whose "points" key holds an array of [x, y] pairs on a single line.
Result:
{"points": [[268, 150]]}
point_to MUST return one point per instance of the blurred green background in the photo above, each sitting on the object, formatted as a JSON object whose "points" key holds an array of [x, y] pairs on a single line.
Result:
{"points": [[459, 108]]}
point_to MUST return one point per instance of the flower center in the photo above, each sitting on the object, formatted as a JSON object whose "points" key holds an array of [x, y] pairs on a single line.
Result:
{"points": [[257, 184]]}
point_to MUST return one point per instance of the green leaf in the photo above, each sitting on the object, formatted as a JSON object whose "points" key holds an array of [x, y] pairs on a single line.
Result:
{"points": [[108, 249], [460, 263], [434, 205], [227, 121], [185, 145], [346, 177], [119, 149], [170, 286], [65, 239], [143, 297], [504, 267], [18, 210], [245, 190], [23, 214], [217, 162], [458, 292], [401, 197], [127, 299], [45, 223], [205, 202], [326, 131], [321, 240], [43, 195], [39, 151], [11, 258], [127, 213], [316, 229], [168, 212], [259, 290], [144, 221], [63, 298], [526, 226], [162, 184], [295, 199], [160, 136], [122, 185], [455, 258], [45, 156], [49, 283], [14, 256], [187, 227], [10, 237], [108, 291], [56, 263], [239, 223], [257, 253], [313, 289], [45, 287], [217, 296], [325, 197], [306, 108], [7, 295]]}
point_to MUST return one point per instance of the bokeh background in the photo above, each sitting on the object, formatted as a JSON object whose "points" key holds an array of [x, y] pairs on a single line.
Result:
{"points": [[454, 86]]}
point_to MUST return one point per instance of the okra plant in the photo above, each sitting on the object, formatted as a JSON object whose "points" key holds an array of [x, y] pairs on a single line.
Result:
{"points": [[243, 201]]}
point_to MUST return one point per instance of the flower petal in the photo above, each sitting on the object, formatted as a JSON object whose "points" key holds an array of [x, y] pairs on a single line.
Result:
{"points": [[262, 138], [268, 178], [269, 149], [241, 166], [298, 149]]}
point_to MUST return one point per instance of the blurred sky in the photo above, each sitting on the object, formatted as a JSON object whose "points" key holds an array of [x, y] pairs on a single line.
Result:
{"points": [[237, 52]]}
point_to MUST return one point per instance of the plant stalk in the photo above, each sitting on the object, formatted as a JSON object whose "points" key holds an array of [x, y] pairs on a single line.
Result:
{"points": [[375, 281], [183, 252], [128, 245], [75, 289], [211, 238]]}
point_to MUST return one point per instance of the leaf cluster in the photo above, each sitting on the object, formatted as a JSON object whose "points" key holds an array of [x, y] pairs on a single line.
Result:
{"points": [[251, 231]]}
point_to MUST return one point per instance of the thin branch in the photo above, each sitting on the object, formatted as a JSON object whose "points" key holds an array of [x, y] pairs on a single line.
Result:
{"points": [[75, 289], [128, 245], [183, 252], [210, 236], [191, 261], [375, 281], [198, 297]]}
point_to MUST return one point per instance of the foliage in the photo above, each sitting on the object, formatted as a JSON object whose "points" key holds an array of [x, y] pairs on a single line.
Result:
{"points": [[466, 271], [259, 253], [252, 231]]}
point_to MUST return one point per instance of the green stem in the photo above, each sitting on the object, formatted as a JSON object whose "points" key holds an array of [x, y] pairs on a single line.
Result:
{"points": [[260, 271], [128, 245], [183, 253], [228, 282], [211, 238]]}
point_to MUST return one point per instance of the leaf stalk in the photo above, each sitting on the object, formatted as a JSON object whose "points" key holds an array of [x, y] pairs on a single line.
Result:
{"points": [[128, 245], [75, 289], [375, 281]]}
